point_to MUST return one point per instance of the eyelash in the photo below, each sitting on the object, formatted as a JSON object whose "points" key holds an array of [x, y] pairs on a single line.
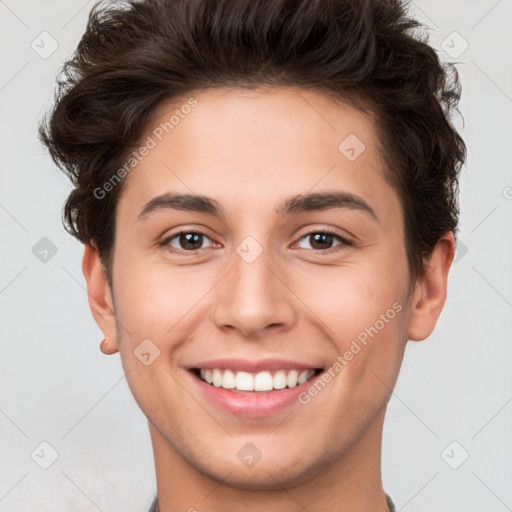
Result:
{"points": [[344, 241]]}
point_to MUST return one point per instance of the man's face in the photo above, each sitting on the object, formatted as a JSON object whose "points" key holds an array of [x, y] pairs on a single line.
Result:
{"points": [[252, 285]]}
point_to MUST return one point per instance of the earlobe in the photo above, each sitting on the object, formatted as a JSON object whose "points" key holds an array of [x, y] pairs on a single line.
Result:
{"points": [[100, 297], [106, 347], [430, 293]]}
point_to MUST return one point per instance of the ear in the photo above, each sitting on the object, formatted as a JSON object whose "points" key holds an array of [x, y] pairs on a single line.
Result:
{"points": [[100, 297], [429, 294]]}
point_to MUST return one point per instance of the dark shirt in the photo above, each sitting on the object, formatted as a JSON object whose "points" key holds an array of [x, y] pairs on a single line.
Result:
{"points": [[391, 505], [154, 505]]}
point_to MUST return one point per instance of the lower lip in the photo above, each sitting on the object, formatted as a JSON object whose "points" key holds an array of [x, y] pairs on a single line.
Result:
{"points": [[252, 404]]}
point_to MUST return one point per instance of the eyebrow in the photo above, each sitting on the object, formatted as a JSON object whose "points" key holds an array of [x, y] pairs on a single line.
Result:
{"points": [[317, 201]]}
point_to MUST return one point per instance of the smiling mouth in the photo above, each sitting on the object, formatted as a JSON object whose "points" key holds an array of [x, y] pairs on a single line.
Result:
{"points": [[260, 382]]}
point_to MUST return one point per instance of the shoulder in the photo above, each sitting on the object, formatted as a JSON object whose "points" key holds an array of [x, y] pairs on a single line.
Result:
{"points": [[391, 505], [154, 505]]}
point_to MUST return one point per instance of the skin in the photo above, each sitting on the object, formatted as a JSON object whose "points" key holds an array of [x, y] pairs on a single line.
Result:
{"points": [[250, 151]]}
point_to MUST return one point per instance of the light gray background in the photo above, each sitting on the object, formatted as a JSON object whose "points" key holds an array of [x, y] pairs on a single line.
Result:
{"points": [[57, 387]]}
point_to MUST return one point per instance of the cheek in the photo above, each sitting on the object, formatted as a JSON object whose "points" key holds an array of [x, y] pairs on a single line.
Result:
{"points": [[151, 304], [143, 293], [157, 302], [347, 300]]}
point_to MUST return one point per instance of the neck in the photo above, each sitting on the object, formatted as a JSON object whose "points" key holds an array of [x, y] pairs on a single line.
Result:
{"points": [[352, 482]]}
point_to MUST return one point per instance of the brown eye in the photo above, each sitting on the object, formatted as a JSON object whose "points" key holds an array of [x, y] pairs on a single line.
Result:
{"points": [[186, 241], [323, 241]]}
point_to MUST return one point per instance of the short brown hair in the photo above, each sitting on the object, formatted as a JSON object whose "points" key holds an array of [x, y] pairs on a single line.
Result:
{"points": [[135, 55]]}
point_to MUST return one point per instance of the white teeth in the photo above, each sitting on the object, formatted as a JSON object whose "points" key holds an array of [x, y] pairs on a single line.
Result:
{"points": [[280, 379], [217, 378], [303, 377], [228, 381], [291, 378], [262, 381], [244, 381]]}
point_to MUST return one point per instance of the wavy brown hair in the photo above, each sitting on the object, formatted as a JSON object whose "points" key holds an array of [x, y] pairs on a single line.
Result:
{"points": [[136, 55]]}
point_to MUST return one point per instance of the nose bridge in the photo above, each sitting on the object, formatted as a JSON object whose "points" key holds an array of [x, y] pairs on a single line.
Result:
{"points": [[252, 297]]}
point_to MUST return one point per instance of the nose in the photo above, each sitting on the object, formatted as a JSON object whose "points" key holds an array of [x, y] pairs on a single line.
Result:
{"points": [[253, 298]]}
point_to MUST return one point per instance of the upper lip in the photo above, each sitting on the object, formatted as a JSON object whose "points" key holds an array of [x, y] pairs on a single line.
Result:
{"points": [[246, 365]]}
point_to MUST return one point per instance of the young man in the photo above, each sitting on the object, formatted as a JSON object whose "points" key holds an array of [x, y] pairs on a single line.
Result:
{"points": [[266, 192]]}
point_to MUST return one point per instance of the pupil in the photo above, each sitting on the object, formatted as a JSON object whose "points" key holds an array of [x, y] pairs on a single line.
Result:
{"points": [[322, 238], [187, 240]]}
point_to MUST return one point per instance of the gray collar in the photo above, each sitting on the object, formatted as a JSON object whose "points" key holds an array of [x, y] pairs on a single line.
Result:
{"points": [[154, 505]]}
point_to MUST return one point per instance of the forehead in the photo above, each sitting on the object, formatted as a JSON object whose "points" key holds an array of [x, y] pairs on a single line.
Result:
{"points": [[261, 146]]}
